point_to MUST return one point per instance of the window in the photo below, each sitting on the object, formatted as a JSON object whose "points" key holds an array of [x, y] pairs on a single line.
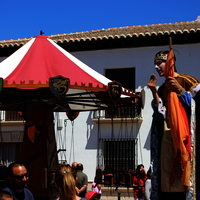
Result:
{"points": [[125, 76], [119, 156]]}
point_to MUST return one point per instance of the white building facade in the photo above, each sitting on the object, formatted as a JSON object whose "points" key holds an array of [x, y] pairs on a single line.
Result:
{"points": [[84, 140]]}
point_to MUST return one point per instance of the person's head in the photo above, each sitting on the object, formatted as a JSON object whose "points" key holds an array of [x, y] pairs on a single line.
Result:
{"points": [[74, 165], [79, 167], [140, 171], [4, 195], [65, 181], [17, 175], [140, 168], [160, 61]]}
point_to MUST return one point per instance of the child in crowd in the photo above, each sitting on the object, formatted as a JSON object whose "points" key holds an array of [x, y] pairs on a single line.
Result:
{"points": [[139, 183], [65, 181], [148, 185], [96, 187], [4, 195]]}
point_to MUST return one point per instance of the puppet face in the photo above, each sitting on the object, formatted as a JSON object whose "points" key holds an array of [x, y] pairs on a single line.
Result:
{"points": [[160, 66]]}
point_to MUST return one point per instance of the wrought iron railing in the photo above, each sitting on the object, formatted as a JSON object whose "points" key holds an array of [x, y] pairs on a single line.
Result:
{"points": [[132, 111], [10, 116]]}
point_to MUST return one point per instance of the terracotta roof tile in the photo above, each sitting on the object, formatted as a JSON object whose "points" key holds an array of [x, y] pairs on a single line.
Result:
{"points": [[119, 32]]}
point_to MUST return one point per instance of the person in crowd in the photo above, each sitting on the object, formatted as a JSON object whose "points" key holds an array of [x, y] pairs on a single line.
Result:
{"points": [[74, 164], [96, 187], [139, 183], [82, 181], [65, 181], [18, 177], [171, 150], [147, 185], [4, 195]]}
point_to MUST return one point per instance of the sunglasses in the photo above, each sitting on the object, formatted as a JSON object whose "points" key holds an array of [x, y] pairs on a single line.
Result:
{"points": [[158, 62], [21, 176]]}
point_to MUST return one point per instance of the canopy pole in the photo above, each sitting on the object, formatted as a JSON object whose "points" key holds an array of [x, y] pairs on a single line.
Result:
{"points": [[170, 43]]}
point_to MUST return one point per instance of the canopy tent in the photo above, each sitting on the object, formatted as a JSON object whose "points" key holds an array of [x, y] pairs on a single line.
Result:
{"points": [[40, 59]]}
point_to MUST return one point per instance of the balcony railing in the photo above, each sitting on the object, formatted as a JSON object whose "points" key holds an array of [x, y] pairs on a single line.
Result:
{"points": [[10, 116], [121, 112]]}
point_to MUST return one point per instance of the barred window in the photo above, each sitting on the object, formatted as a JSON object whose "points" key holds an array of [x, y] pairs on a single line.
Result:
{"points": [[119, 156]]}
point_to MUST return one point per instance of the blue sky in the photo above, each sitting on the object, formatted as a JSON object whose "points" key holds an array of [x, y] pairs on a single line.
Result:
{"points": [[24, 18]]}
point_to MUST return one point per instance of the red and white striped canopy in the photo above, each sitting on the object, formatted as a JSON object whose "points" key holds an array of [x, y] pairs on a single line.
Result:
{"points": [[41, 58]]}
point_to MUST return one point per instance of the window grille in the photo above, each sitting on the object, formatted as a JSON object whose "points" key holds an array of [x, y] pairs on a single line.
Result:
{"points": [[132, 111], [119, 157], [12, 116]]}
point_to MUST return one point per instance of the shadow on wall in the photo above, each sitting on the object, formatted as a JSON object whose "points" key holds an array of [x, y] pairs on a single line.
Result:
{"points": [[147, 143], [124, 129], [92, 133]]}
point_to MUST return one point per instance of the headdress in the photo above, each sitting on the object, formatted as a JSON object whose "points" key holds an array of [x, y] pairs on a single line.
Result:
{"points": [[161, 56]]}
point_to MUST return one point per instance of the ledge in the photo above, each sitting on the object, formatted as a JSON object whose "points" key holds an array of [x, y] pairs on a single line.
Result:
{"points": [[12, 123], [118, 120]]}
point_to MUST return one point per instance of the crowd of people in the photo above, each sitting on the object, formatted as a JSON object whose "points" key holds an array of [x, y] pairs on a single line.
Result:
{"points": [[70, 180]]}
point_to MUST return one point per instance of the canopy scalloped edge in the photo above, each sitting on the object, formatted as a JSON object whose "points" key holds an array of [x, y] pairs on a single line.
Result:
{"points": [[32, 85]]}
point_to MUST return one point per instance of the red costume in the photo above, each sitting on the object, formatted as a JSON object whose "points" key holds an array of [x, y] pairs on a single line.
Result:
{"points": [[138, 185]]}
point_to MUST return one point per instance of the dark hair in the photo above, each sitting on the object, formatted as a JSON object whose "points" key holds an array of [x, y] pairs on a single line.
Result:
{"points": [[14, 164], [79, 166], [140, 174], [138, 168], [4, 195], [149, 174]]}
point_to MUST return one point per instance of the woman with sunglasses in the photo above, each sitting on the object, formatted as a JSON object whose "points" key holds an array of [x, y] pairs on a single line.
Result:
{"points": [[18, 177]]}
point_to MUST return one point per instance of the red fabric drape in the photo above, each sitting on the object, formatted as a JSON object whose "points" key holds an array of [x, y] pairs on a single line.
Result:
{"points": [[179, 127]]}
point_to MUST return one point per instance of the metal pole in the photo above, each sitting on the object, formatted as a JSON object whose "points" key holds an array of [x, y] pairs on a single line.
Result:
{"points": [[119, 193]]}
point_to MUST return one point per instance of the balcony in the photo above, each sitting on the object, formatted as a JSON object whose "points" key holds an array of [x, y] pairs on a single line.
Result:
{"points": [[129, 113], [10, 116]]}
